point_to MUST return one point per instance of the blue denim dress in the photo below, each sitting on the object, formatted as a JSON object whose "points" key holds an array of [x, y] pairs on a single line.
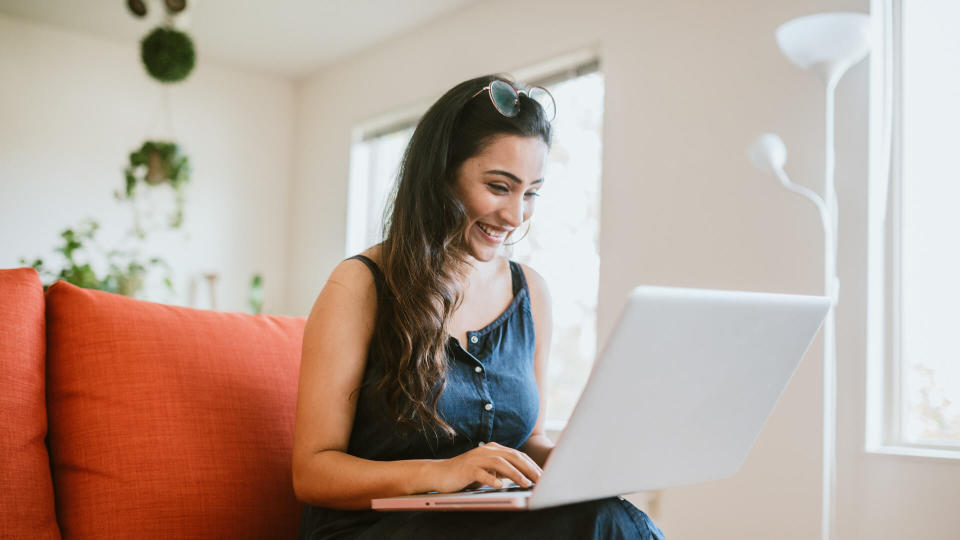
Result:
{"points": [[491, 394]]}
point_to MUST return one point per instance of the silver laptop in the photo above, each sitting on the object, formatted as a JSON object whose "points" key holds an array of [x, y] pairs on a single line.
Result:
{"points": [[678, 396]]}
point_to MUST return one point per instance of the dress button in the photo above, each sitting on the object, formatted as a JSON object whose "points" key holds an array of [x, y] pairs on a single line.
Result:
{"points": [[478, 369], [488, 406], [474, 339]]}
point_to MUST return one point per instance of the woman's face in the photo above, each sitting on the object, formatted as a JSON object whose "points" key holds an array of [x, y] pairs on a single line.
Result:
{"points": [[498, 188]]}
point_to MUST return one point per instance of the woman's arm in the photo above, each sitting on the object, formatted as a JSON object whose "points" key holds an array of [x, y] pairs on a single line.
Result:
{"points": [[335, 479], [538, 446], [333, 359]]}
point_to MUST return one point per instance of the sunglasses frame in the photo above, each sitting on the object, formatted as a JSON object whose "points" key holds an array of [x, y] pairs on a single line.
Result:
{"points": [[516, 97]]}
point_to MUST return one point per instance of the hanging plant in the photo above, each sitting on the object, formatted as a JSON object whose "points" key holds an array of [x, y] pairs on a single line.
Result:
{"points": [[158, 162], [167, 54]]}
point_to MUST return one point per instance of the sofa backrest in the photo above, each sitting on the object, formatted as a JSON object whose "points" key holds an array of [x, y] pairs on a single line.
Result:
{"points": [[170, 422], [26, 504]]}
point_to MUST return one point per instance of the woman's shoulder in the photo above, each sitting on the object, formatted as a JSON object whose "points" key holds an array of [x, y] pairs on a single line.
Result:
{"points": [[354, 274], [534, 279], [539, 291], [541, 306], [372, 253]]}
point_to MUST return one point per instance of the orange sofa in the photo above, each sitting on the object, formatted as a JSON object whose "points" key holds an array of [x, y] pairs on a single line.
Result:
{"points": [[129, 419]]}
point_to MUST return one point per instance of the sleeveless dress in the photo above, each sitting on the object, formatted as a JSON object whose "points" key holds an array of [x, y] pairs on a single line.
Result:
{"points": [[491, 394]]}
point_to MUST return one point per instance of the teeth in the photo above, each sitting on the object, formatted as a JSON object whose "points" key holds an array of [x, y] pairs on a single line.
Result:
{"points": [[488, 231]]}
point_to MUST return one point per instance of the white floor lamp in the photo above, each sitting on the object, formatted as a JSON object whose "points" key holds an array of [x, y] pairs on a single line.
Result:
{"points": [[828, 44]]}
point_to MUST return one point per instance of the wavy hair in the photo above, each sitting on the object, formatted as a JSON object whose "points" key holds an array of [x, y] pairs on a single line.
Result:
{"points": [[424, 253]]}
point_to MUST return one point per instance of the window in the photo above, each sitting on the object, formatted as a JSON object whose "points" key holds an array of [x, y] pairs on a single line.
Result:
{"points": [[914, 357], [563, 240], [563, 243], [374, 164]]}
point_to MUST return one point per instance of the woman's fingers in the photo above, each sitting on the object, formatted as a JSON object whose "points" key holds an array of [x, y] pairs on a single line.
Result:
{"points": [[484, 477], [505, 468], [533, 464], [525, 465], [501, 461], [520, 460]]}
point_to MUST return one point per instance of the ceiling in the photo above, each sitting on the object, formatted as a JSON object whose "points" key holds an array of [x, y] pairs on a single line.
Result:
{"points": [[289, 38]]}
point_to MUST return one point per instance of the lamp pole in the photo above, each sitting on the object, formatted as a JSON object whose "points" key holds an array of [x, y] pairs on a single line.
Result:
{"points": [[829, 44]]}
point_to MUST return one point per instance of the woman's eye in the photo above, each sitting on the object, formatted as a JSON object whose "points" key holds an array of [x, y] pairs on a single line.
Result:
{"points": [[498, 188], [532, 194]]}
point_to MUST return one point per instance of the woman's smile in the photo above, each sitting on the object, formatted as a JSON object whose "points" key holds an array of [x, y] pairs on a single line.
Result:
{"points": [[493, 235]]}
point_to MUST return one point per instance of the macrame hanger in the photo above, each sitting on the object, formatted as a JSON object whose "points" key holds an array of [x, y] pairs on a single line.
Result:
{"points": [[161, 128]]}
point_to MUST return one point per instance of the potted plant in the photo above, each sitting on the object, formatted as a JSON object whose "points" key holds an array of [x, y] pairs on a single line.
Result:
{"points": [[155, 163], [256, 294], [125, 274]]}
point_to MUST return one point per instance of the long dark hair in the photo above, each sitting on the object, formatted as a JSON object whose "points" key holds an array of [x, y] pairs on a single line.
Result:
{"points": [[424, 255]]}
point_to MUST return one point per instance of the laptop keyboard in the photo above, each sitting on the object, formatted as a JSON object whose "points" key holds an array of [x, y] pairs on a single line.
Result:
{"points": [[488, 489]]}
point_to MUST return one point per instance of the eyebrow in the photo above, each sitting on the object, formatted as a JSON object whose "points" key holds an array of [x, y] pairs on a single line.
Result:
{"points": [[512, 176]]}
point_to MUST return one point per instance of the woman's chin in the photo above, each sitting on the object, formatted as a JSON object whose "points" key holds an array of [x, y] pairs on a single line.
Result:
{"points": [[482, 249], [483, 253], [485, 256]]}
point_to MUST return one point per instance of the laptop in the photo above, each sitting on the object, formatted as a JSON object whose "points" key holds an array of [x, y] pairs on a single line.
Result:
{"points": [[678, 396]]}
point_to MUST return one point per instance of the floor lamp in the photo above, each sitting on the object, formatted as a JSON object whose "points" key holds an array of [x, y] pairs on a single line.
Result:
{"points": [[828, 44]]}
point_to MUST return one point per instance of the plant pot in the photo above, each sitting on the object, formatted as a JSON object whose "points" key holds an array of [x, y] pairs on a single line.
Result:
{"points": [[131, 284], [157, 172]]}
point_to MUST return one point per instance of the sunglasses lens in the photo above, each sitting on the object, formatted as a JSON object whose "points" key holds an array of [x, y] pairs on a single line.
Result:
{"points": [[545, 100], [504, 97]]}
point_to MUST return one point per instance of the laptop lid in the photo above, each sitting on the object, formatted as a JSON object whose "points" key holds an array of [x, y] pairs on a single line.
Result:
{"points": [[680, 391]]}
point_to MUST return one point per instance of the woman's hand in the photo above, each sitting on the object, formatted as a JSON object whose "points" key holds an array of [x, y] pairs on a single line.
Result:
{"points": [[483, 465]]}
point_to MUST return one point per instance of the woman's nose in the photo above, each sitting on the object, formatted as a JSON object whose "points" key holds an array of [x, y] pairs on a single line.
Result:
{"points": [[513, 212]]}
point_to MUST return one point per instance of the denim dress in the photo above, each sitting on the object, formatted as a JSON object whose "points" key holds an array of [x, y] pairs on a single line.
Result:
{"points": [[490, 394]]}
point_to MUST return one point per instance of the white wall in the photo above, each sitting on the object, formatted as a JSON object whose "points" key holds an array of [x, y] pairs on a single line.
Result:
{"points": [[72, 107], [688, 85]]}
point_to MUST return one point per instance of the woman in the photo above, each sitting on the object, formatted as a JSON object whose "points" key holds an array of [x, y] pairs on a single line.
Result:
{"points": [[425, 357]]}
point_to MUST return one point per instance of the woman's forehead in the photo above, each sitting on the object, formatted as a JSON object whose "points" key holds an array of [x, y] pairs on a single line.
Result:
{"points": [[524, 157]]}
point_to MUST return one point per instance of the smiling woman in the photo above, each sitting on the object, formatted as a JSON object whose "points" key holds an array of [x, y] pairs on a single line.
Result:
{"points": [[425, 357], [561, 241]]}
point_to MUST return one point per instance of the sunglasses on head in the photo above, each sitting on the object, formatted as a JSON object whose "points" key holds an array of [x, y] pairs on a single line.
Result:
{"points": [[506, 98]]}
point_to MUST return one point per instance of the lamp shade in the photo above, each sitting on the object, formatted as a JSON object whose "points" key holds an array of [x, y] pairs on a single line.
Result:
{"points": [[828, 43], [768, 153]]}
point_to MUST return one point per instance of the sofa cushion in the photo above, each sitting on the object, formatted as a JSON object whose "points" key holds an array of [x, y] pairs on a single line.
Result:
{"points": [[27, 510], [170, 422]]}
